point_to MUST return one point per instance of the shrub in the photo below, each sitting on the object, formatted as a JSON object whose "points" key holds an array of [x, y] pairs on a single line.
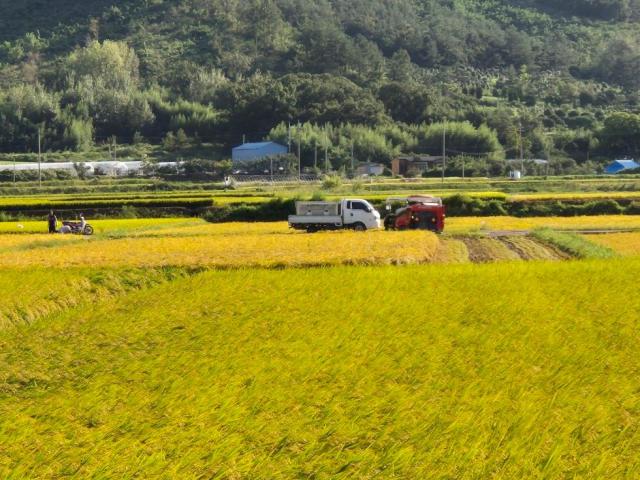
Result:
{"points": [[129, 211], [331, 182], [274, 210], [602, 207]]}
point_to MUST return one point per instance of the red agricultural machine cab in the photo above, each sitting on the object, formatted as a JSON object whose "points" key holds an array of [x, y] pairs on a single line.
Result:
{"points": [[417, 212]]}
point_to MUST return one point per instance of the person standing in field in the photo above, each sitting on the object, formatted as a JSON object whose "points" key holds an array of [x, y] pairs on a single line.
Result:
{"points": [[53, 222]]}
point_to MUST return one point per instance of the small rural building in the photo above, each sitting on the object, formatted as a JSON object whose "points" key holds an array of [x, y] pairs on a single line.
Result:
{"points": [[370, 169], [252, 152], [618, 166], [414, 164]]}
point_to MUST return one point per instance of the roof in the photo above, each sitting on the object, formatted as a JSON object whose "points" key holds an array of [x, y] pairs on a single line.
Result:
{"points": [[621, 165], [256, 145], [626, 163]]}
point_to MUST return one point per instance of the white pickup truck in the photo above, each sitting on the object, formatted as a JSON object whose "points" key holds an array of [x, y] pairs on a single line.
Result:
{"points": [[356, 214]]}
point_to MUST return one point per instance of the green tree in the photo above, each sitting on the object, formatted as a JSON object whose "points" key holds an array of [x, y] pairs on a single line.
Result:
{"points": [[461, 138], [620, 63], [114, 64], [620, 134], [405, 102]]}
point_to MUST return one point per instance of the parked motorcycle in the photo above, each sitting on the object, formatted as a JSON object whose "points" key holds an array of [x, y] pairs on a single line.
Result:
{"points": [[76, 228]]}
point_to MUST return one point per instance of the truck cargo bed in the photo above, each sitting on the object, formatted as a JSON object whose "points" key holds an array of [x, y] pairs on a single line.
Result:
{"points": [[314, 209]]}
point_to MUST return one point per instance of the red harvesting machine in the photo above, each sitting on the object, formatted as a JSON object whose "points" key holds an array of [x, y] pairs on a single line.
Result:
{"points": [[417, 212]]}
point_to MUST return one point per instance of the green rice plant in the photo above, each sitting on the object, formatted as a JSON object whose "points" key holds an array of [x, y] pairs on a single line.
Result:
{"points": [[573, 244]]}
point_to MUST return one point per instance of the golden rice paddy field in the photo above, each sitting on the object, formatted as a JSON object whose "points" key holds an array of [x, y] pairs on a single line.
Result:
{"points": [[101, 226], [193, 243], [511, 370], [29, 294], [603, 222], [455, 225], [576, 196], [218, 246], [627, 243]]}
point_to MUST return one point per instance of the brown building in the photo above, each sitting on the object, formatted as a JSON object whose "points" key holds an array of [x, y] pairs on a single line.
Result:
{"points": [[411, 165]]}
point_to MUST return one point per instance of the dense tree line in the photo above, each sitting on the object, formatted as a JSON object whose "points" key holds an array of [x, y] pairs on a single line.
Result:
{"points": [[536, 76]]}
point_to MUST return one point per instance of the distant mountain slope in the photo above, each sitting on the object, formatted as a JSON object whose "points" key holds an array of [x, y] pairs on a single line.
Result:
{"points": [[218, 69], [44, 16], [269, 34]]}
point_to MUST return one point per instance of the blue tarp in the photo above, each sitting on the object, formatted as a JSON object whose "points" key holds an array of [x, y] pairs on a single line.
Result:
{"points": [[620, 166]]}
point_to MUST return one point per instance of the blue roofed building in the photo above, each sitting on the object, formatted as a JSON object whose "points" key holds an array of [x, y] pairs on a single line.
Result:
{"points": [[618, 166], [252, 152]]}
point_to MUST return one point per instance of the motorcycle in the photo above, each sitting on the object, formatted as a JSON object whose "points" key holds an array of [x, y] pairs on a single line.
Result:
{"points": [[76, 228]]}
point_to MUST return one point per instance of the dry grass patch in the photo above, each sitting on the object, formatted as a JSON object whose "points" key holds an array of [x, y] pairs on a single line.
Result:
{"points": [[451, 250], [485, 249], [528, 248]]}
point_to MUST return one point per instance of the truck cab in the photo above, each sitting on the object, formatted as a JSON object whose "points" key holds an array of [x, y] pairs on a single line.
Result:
{"points": [[356, 214], [360, 212]]}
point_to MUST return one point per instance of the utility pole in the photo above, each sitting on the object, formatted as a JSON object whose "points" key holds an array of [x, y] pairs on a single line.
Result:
{"points": [[463, 158], [326, 154], [352, 156], [299, 154], [39, 158], [14, 169], [546, 171], [244, 139], [315, 154], [289, 138], [444, 148], [521, 151]]}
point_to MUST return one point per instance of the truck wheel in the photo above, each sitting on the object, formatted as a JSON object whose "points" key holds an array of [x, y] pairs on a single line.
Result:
{"points": [[312, 229], [359, 227]]}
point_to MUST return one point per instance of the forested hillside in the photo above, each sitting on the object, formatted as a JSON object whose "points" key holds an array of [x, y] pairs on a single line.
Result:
{"points": [[559, 79]]}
